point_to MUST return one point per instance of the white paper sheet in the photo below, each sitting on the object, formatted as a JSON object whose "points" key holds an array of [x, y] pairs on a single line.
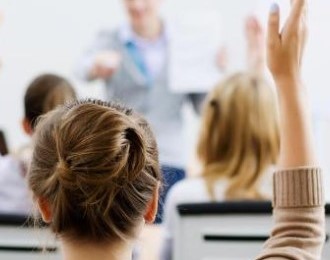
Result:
{"points": [[195, 42]]}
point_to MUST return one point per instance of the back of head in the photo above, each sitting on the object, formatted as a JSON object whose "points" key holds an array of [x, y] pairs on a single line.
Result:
{"points": [[45, 93], [96, 164], [239, 138]]}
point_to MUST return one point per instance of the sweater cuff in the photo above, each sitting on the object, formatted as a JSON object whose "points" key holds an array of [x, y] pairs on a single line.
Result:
{"points": [[298, 187]]}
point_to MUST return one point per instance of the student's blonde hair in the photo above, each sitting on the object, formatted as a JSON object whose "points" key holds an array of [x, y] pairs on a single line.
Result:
{"points": [[239, 136], [96, 164]]}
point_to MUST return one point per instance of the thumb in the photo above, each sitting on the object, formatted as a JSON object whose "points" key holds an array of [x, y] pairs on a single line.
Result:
{"points": [[273, 36]]}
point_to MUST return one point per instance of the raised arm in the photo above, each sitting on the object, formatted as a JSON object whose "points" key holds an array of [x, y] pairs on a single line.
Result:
{"points": [[255, 46], [298, 188], [285, 55]]}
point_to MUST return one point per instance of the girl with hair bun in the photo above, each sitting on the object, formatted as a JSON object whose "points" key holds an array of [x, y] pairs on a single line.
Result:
{"points": [[95, 174]]}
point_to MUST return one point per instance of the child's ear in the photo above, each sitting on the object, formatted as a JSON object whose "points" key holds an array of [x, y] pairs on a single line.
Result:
{"points": [[152, 208], [27, 126], [45, 210]]}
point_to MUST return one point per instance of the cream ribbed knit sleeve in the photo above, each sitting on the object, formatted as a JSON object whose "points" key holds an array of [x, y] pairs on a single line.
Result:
{"points": [[299, 231]]}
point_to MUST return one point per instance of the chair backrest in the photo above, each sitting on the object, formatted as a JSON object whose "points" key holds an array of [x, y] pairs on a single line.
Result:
{"points": [[229, 230], [20, 239], [3, 144]]}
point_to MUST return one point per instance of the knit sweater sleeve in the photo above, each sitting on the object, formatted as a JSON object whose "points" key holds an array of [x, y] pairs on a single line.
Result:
{"points": [[299, 230]]}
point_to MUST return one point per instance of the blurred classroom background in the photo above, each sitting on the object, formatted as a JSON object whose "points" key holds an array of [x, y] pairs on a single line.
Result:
{"points": [[48, 36]]}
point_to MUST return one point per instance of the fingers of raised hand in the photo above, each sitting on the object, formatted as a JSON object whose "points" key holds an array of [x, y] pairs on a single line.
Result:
{"points": [[298, 15], [273, 36]]}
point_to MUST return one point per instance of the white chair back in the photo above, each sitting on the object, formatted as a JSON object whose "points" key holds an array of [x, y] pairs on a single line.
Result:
{"points": [[19, 239], [229, 230]]}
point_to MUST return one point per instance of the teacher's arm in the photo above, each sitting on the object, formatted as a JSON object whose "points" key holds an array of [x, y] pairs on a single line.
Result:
{"points": [[100, 61]]}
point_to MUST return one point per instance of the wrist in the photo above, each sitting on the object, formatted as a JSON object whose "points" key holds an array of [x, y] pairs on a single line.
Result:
{"points": [[291, 92], [288, 80], [289, 85]]}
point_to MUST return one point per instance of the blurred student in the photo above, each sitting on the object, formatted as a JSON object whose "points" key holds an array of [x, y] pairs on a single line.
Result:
{"points": [[238, 148], [95, 172], [45, 93], [133, 61]]}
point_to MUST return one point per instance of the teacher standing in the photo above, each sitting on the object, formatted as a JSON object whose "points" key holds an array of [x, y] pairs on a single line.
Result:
{"points": [[133, 62]]}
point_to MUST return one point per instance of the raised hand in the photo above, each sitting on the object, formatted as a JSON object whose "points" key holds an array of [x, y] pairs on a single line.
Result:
{"points": [[285, 54], [255, 40], [285, 49]]}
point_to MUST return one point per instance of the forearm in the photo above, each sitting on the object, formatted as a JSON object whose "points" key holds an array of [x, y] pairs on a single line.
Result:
{"points": [[297, 147], [256, 61]]}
